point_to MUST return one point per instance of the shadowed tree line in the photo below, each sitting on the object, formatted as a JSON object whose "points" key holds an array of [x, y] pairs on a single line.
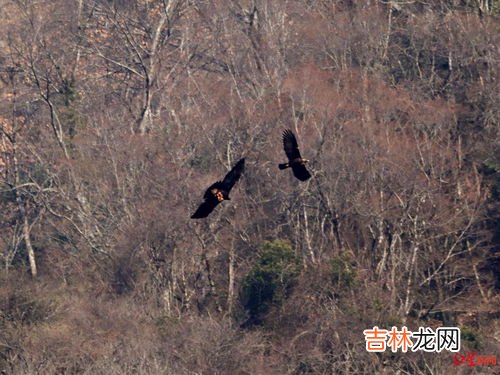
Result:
{"points": [[117, 114]]}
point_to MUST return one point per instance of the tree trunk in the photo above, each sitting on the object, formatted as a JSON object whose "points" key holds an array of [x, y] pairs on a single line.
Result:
{"points": [[29, 247], [22, 210], [230, 288]]}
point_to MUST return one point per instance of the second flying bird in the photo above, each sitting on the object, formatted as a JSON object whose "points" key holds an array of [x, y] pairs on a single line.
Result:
{"points": [[295, 161]]}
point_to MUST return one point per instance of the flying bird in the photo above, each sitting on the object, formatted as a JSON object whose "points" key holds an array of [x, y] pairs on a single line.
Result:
{"points": [[219, 191], [295, 161]]}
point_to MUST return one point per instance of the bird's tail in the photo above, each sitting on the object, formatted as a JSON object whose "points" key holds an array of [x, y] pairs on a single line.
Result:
{"points": [[284, 166]]}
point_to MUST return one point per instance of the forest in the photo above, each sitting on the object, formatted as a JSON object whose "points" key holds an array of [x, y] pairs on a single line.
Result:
{"points": [[117, 115]]}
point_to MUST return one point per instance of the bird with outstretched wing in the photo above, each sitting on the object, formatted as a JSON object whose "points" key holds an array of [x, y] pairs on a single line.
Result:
{"points": [[219, 191], [295, 161]]}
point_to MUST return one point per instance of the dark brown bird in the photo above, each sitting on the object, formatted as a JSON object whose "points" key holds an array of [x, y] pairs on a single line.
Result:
{"points": [[219, 191], [295, 161]]}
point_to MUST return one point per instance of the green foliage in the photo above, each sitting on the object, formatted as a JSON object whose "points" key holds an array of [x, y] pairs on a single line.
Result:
{"points": [[343, 272], [72, 121], [269, 281], [471, 336], [69, 115], [495, 7]]}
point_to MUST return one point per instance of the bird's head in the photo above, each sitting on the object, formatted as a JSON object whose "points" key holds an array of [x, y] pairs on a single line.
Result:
{"points": [[220, 196], [305, 161]]}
